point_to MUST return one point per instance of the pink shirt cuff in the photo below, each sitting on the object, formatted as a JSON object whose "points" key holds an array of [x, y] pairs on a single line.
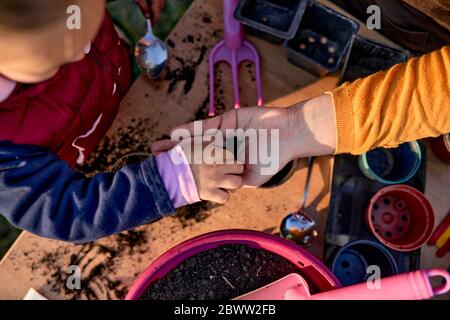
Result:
{"points": [[6, 88], [177, 176]]}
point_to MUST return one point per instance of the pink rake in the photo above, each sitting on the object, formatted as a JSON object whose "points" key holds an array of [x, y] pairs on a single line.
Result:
{"points": [[233, 50]]}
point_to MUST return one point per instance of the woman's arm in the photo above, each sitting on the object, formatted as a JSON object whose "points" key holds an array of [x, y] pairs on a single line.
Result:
{"points": [[409, 102]]}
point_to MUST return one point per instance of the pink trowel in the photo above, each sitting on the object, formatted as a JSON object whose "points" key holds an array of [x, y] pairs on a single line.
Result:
{"points": [[233, 50], [407, 286]]}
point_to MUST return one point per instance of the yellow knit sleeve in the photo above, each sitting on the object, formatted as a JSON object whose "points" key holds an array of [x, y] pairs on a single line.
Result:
{"points": [[410, 101]]}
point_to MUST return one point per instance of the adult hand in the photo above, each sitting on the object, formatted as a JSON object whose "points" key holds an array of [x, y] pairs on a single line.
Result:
{"points": [[246, 118], [155, 13], [306, 129]]}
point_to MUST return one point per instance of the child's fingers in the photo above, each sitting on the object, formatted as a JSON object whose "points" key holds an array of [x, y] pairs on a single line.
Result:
{"points": [[218, 196], [231, 182], [226, 169], [232, 166], [236, 168], [228, 155]]}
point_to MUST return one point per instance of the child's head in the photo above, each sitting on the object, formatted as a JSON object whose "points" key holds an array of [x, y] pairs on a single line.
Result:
{"points": [[35, 40]]}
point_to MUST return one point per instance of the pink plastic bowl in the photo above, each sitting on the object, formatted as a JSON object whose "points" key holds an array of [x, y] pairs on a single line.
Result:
{"points": [[310, 266]]}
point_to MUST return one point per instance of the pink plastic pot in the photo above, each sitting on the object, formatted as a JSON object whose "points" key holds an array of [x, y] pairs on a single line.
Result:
{"points": [[400, 217], [311, 267]]}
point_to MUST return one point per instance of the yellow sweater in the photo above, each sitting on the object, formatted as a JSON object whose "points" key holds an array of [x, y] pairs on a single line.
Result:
{"points": [[410, 101]]}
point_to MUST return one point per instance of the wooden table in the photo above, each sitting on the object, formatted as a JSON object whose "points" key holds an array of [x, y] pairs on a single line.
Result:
{"points": [[150, 109]]}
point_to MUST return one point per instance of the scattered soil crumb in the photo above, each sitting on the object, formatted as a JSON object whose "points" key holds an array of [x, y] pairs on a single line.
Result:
{"points": [[97, 262], [197, 212]]}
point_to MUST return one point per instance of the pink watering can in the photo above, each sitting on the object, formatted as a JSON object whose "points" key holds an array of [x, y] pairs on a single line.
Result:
{"points": [[233, 50], [408, 286]]}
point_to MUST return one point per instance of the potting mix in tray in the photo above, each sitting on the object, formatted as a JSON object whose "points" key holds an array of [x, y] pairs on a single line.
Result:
{"points": [[225, 272]]}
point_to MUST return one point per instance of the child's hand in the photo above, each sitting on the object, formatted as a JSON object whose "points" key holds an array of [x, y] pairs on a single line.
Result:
{"points": [[217, 173]]}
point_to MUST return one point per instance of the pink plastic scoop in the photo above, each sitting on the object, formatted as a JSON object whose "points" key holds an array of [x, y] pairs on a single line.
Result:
{"points": [[233, 50], [407, 286]]}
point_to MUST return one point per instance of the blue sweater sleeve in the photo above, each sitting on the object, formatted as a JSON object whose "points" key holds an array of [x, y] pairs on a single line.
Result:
{"points": [[40, 193]]}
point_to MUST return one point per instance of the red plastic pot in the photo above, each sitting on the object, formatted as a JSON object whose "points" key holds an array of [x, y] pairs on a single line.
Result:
{"points": [[311, 267], [441, 147], [400, 217]]}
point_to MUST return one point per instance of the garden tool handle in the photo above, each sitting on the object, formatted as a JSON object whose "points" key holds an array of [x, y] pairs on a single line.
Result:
{"points": [[233, 33], [407, 286], [307, 183], [148, 13]]}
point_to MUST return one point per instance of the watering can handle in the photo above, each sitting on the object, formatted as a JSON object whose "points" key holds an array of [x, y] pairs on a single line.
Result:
{"points": [[233, 32], [443, 289], [408, 286]]}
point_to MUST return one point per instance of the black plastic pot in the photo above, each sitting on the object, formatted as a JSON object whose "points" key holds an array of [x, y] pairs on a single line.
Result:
{"points": [[271, 20], [367, 57], [323, 40]]}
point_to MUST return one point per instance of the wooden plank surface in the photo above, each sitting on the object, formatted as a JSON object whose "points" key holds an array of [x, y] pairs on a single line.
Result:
{"points": [[150, 109]]}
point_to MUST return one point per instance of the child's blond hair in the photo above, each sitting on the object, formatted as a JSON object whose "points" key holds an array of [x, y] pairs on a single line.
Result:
{"points": [[26, 15]]}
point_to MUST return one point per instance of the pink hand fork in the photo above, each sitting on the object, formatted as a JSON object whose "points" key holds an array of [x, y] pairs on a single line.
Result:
{"points": [[233, 50]]}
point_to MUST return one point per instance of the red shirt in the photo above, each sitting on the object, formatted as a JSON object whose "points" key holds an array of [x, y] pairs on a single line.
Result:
{"points": [[71, 112]]}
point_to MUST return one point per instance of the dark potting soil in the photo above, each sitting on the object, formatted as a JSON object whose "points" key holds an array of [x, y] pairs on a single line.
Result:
{"points": [[222, 273]]}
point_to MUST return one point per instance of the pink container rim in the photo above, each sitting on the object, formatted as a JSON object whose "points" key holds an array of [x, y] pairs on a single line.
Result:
{"points": [[309, 265], [428, 211]]}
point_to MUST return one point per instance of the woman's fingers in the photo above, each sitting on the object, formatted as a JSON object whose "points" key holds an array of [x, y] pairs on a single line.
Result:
{"points": [[207, 124], [219, 123]]}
